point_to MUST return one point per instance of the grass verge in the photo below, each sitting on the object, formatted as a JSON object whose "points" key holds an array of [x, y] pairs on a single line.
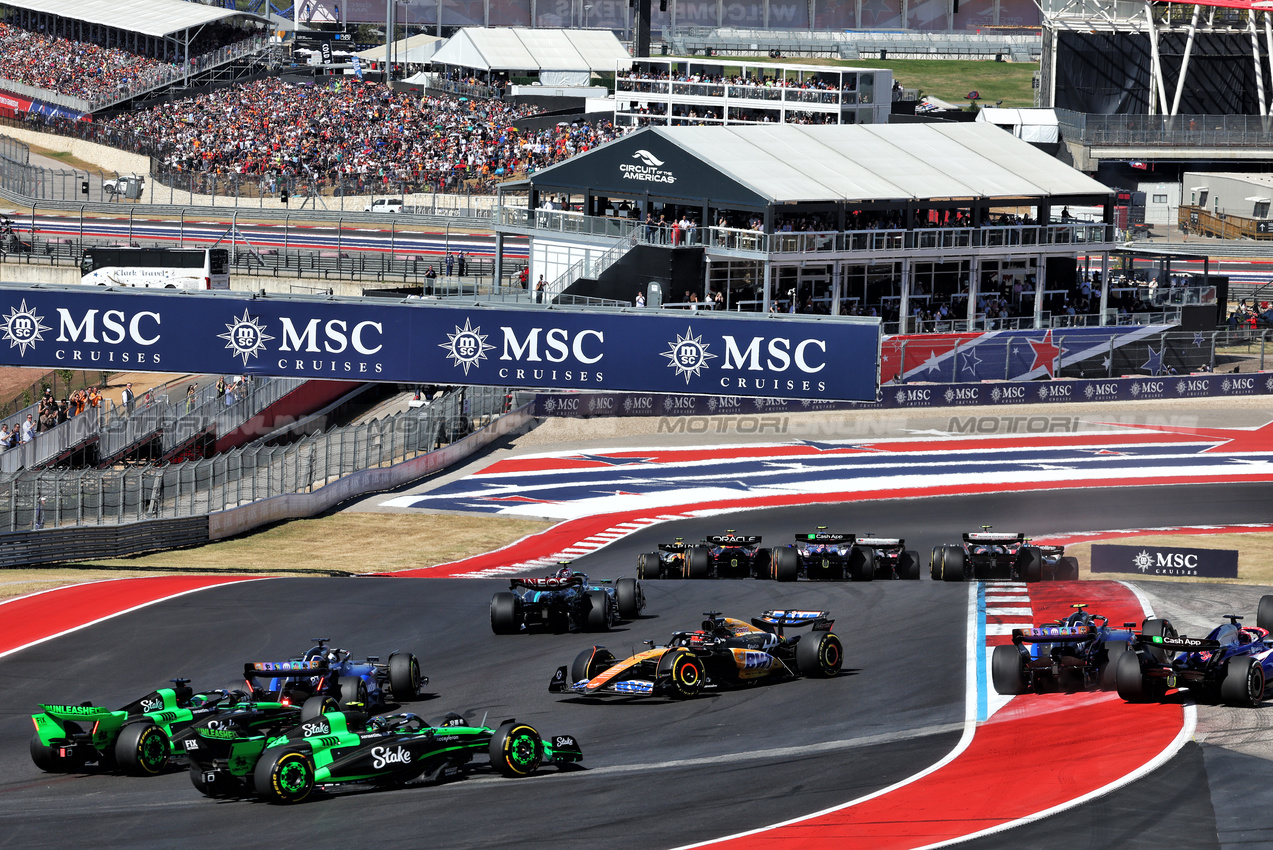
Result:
{"points": [[340, 544]]}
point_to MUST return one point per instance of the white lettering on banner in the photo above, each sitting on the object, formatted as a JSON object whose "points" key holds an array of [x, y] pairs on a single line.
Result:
{"points": [[336, 340], [557, 343], [779, 359], [112, 321]]}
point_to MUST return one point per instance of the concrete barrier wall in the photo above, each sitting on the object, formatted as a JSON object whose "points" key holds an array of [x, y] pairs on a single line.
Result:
{"points": [[103, 157], [298, 505]]}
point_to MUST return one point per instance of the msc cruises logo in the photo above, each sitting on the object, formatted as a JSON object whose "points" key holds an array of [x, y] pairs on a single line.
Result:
{"points": [[647, 158], [22, 328], [1143, 560], [688, 355], [467, 346], [245, 336]]}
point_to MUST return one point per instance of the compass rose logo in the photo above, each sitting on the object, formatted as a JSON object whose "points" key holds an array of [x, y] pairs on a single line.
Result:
{"points": [[688, 355], [245, 336], [467, 346], [22, 328], [1143, 560]]}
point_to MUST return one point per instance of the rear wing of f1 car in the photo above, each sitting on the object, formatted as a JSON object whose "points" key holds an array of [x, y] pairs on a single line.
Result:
{"points": [[285, 669], [776, 621], [733, 539], [988, 537], [679, 546], [1053, 634], [824, 537], [1182, 643], [547, 582]]}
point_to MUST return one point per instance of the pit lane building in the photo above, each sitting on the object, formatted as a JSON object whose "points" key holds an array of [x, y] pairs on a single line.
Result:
{"points": [[826, 218]]}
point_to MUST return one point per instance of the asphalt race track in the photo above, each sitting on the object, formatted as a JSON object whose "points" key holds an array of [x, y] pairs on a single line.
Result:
{"points": [[656, 774]]}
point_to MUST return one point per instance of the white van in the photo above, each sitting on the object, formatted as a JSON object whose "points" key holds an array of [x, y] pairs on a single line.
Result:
{"points": [[385, 205]]}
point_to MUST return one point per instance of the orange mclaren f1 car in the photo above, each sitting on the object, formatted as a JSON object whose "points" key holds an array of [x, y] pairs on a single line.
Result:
{"points": [[724, 653]]}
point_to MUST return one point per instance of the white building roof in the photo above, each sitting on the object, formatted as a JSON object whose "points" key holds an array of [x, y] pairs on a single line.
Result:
{"points": [[150, 17], [525, 49]]}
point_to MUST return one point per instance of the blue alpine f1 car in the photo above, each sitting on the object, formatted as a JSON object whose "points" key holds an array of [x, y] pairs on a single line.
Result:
{"points": [[1230, 665], [1073, 654], [564, 602], [324, 670]]}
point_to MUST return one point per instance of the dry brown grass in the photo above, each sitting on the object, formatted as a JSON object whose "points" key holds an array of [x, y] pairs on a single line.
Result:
{"points": [[1255, 558], [342, 543]]}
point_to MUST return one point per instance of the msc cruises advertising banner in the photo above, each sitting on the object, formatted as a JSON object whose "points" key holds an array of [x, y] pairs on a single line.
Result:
{"points": [[654, 351]]}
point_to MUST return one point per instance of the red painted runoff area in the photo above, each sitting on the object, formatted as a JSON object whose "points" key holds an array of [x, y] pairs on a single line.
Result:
{"points": [[29, 619], [1037, 753]]}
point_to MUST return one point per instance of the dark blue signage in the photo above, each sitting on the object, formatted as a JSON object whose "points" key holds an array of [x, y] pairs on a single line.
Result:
{"points": [[421, 342], [1164, 561], [893, 396]]}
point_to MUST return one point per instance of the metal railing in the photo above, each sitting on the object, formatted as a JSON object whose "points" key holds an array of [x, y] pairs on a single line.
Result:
{"points": [[247, 474], [1197, 131], [759, 243]]}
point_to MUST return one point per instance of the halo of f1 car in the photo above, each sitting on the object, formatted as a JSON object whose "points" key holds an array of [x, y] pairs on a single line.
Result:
{"points": [[1232, 664], [565, 601], [985, 555], [147, 735], [723, 653], [348, 747]]}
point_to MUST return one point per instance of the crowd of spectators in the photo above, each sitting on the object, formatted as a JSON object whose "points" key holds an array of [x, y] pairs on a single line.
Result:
{"points": [[49, 414], [362, 133], [75, 68]]}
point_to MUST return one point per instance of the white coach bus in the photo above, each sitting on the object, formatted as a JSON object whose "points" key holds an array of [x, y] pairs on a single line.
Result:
{"points": [[162, 268]]}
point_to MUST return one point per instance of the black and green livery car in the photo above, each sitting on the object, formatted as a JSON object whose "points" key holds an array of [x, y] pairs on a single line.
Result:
{"points": [[346, 747], [145, 736]]}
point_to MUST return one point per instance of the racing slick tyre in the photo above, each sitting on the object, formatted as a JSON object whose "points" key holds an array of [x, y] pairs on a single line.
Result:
{"points": [[353, 692], [317, 706], [821, 658], [685, 671], [1132, 683], [1243, 683], [698, 564], [404, 676], [1030, 564], [1006, 671], [1264, 614], [934, 563], [589, 663], [47, 759], [284, 777], [1067, 569], [908, 565], [649, 566], [627, 594], [1114, 650], [1153, 628], [861, 566], [600, 612], [516, 750], [786, 565], [142, 749], [504, 613], [952, 563]]}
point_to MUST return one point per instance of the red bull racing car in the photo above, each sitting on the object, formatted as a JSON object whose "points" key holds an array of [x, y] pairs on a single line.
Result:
{"points": [[724, 653]]}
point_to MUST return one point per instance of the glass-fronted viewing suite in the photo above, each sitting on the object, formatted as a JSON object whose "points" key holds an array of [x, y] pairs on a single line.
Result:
{"points": [[723, 91]]}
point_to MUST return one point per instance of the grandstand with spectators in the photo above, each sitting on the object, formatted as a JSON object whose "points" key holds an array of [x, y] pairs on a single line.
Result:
{"points": [[76, 57]]}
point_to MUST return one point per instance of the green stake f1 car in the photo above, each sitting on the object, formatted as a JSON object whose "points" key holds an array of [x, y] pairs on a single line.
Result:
{"points": [[142, 737], [347, 747]]}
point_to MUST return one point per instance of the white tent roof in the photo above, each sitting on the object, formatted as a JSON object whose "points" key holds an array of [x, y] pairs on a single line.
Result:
{"points": [[863, 162], [417, 48], [525, 49], [149, 17]]}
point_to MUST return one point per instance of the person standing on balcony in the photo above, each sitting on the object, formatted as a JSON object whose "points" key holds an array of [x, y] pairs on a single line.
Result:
{"points": [[128, 398]]}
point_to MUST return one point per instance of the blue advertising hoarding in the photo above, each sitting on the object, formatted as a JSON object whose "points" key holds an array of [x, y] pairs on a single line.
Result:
{"points": [[914, 396], [423, 342]]}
